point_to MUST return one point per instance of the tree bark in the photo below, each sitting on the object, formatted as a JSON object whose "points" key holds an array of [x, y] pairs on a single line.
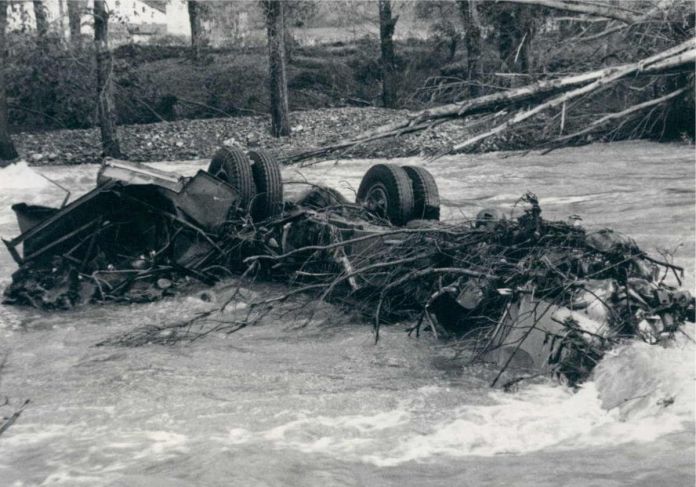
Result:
{"points": [[105, 97], [195, 11], [280, 125], [387, 25], [7, 149], [61, 18], [472, 39], [41, 18], [75, 22]]}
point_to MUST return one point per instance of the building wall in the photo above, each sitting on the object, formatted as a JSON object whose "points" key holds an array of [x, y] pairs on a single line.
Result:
{"points": [[130, 20]]}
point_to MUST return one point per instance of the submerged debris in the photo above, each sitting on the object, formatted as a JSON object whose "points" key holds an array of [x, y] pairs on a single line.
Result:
{"points": [[525, 292]]}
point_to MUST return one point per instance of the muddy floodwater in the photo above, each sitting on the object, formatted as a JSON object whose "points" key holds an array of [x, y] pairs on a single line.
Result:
{"points": [[322, 405]]}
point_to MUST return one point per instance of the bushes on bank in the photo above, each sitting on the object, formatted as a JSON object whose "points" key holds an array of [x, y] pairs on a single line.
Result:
{"points": [[51, 85]]}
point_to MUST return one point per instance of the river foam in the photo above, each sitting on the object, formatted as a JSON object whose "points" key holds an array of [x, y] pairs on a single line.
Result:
{"points": [[20, 176], [639, 393]]}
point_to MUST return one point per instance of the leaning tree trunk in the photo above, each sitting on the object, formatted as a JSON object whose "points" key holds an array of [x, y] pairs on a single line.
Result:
{"points": [[75, 22], [41, 18], [387, 24], [7, 149], [472, 39], [280, 125], [195, 11], [105, 96]]}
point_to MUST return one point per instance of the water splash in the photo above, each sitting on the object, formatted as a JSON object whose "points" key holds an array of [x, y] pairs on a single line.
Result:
{"points": [[640, 392], [20, 176]]}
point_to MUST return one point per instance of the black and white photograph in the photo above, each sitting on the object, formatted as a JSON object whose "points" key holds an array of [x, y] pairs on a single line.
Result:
{"points": [[347, 243]]}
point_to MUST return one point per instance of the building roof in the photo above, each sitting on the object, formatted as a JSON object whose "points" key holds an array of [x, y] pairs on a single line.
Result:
{"points": [[160, 5]]}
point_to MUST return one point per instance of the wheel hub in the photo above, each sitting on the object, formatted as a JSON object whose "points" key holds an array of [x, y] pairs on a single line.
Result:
{"points": [[376, 200]]}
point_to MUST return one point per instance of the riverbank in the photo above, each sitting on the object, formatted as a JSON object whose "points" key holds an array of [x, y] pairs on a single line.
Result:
{"points": [[198, 139]]}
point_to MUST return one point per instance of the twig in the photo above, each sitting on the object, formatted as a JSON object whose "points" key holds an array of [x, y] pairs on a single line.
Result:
{"points": [[15, 416]]}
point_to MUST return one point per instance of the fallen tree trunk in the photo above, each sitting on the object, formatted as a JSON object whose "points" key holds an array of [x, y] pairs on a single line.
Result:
{"points": [[675, 57], [615, 12], [668, 59]]}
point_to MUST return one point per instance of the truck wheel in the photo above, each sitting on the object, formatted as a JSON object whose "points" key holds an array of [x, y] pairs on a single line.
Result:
{"points": [[426, 197], [232, 166], [386, 190], [269, 186]]}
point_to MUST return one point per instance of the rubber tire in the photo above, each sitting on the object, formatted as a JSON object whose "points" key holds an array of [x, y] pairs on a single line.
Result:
{"points": [[320, 197], [426, 196], [397, 186], [233, 166], [269, 186]]}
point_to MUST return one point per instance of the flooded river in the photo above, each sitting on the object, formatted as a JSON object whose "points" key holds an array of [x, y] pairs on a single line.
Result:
{"points": [[322, 405]]}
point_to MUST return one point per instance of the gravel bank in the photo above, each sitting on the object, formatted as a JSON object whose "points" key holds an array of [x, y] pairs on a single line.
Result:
{"points": [[191, 139]]}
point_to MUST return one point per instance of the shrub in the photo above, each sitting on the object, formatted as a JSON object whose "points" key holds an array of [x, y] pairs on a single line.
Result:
{"points": [[49, 85]]}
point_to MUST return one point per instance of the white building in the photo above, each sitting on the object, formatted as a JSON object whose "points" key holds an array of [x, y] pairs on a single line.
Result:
{"points": [[130, 20]]}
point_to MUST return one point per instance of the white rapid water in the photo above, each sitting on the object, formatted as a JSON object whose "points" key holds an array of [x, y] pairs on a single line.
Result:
{"points": [[322, 405]]}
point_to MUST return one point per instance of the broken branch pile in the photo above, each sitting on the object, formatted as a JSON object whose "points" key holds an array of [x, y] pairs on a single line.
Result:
{"points": [[501, 281], [486, 277]]}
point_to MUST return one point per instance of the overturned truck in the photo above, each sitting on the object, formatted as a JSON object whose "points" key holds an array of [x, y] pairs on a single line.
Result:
{"points": [[524, 292]]}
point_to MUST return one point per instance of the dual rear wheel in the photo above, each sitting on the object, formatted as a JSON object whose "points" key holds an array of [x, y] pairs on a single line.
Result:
{"points": [[400, 194], [255, 175]]}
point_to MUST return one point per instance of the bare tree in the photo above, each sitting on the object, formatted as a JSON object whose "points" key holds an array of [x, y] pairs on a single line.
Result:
{"points": [[274, 10], [195, 11], [7, 149], [105, 97], [387, 24], [41, 18], [516, 28], [472, 39], [75, 21]]}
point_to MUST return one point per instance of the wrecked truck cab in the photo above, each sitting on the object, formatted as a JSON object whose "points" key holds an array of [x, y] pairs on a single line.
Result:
{"points": [[138, 225], [125, 208], [202, 199]]}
